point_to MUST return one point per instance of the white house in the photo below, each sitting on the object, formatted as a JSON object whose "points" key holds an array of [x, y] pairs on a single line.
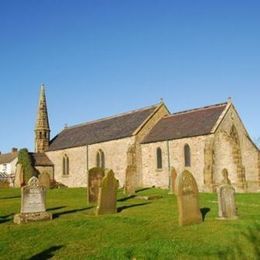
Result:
{"points": [[8, 163]]}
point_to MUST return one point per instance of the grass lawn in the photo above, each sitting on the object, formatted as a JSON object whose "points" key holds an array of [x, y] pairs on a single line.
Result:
{"points": [[142, 229]]}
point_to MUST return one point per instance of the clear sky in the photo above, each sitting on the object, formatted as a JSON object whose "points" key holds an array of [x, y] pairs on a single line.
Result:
{"points": [[99, 58]]}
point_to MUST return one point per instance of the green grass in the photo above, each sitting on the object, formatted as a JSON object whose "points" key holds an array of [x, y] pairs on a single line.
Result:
{"points": [[142, 229]]}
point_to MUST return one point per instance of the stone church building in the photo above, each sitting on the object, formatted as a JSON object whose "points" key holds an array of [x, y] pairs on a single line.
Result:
{"points": [[143, 146]]}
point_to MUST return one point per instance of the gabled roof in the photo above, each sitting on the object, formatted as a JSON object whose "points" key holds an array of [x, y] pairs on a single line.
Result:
{"points": [[111, 128], [8, 157], [188, 123], [40, 159]]}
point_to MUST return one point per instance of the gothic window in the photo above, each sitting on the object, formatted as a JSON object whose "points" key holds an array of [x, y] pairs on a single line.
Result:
{"points": [[187, 156], [100, 159], [65, 165], [159, 158]]}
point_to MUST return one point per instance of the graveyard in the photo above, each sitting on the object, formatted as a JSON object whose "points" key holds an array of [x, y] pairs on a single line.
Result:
{"points": [[144, 226]]}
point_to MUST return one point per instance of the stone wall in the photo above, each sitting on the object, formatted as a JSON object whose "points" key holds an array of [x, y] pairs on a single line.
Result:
{"points": [[234, 150], [47, 169], [115, 156], [77, 164], [174, 158], [83, 158], [146, 128]]}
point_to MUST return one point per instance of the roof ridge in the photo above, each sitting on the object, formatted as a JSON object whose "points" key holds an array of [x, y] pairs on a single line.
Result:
{"points": [[111, 117], [198, 109]]}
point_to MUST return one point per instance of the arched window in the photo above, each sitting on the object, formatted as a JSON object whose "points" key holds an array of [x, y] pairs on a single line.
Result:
{"points": [[65, 165], [187, 157], [100, 159], [40, 135], [159, 158]]}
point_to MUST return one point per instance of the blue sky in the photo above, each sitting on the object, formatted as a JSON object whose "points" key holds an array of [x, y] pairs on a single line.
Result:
{"points": [[100, 58]]}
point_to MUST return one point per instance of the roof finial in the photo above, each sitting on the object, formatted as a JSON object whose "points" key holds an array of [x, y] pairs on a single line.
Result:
{"points": [[229, 99], [161, 100]]}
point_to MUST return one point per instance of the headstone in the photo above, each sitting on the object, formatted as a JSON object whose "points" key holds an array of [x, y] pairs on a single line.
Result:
{"points": [[107, 194], [45, 180], [19, 176], [188, 199], [173, 180], [129, 188], [130, 175], [95, 176], [226, 199], [32, 203]]}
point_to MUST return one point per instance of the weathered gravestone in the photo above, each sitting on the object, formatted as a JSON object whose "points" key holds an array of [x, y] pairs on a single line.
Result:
{"points": [[32, 203], [95, 176], [19, 176], [130, 175], [45, 180], [188, 199], [107, 194], [173, 177], [226, 199]]}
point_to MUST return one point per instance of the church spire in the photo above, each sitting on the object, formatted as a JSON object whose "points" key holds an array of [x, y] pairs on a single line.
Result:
{"points": [[42, 128]]}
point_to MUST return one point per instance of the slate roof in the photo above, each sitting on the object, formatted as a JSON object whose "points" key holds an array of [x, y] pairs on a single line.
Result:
{"points": [[8, 157], [40, 159], [189, 123], [102, 130]]}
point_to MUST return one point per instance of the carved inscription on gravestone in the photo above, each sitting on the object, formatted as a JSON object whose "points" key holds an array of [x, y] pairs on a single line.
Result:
{"points": [[95, 176], [188, 199], [33, 199], [32, 203]]}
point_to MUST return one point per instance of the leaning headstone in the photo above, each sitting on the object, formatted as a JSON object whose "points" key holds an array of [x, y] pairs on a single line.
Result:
{"points": [[107, 194], [188, 199], [45, 180], [226, 199], [173, 177], [32, 203], [95, 176]]}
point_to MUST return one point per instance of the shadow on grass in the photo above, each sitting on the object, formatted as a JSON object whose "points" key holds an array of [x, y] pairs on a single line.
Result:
{"points": [[204, 212], [241, 249], [46, 254], [7, 218], [127, 198], [58, 214], [120, 209], [61, 207], [143, 189], [9, 198]]}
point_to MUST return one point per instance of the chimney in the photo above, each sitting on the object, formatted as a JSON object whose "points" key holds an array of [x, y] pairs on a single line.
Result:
{"points": [[14, 150]]}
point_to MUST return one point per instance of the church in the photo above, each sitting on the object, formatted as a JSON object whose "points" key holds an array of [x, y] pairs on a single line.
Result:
{"points": [[143, 146]]}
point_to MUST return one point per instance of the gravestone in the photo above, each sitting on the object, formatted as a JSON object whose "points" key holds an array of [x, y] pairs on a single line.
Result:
{"points": [[188, 199], [32, 203], [19, 176], [107, 194], [95, 176], [173, 180], [45, 180], [130, 175], [129, 188], [226, 199]]}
